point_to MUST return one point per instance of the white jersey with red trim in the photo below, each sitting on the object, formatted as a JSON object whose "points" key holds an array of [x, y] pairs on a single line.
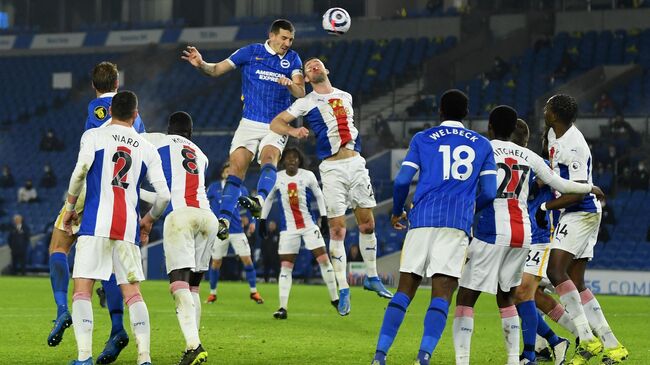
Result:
{"points": [[293, 197], [184, 165], [570, 157], [121, 158], [506, 222], [331, 117]]}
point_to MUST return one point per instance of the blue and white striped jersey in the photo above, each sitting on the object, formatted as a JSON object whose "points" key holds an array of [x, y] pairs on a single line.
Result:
{"points": [[450, 159], [261, 67]]}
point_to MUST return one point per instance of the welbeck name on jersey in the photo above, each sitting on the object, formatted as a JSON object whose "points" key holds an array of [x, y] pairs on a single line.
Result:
{"points": [[129, 141], [459, 132], [510, 152]]}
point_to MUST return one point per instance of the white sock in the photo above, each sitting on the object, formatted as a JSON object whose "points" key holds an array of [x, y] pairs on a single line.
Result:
{"points": [[339, 262], [368, 248], [197, 305], [561, 317], [186, 313], [284, 285], [571, 299], [463, 328], [82, 320], [213, 291], [141, 327], [511, 329], [540, 343], [597, 320], [327, 272]]}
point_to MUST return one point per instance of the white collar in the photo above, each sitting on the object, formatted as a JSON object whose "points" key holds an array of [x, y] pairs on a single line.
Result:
{"points": [[452, 123], [107, 95], [271, 51]]}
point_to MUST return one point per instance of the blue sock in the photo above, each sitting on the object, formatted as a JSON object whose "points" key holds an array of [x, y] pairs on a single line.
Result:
{"points": [[392, 320], [424, 357], [267, 179], [229, 196], [214, 278], [545, 331], [251, 276], [60, 278], [115, 304], [528, 314], [434, 324]]}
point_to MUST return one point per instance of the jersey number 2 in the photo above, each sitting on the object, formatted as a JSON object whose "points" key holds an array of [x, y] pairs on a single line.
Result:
{"points": [[122, 160], [511, 186]]}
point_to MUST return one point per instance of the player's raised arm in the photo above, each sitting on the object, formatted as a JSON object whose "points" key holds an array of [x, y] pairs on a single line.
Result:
{"points": [[280, 125], [192, 55]]}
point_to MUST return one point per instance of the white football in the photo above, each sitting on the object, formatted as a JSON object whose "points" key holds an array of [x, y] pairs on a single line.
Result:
{"points": [[336, 21]]}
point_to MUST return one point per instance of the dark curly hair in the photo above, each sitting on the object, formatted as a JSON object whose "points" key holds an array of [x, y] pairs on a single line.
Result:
{"points": [[295, 150], [564, 107]]}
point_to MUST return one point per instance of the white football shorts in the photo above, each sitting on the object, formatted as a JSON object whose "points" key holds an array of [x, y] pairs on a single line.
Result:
{"points": [[490, 266], [254, 136], [290, 240], [188, 236], [346, 184], [98, 257], [537, 260], [577, 233], [239, 243], [432, 250]]}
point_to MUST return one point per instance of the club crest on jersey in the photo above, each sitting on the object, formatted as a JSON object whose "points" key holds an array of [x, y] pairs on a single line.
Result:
{"points": [[575, 165], [285, 63], [100, 112]]}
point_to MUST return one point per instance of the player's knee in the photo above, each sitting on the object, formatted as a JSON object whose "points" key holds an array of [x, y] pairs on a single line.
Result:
{"points": [[287, 264], [59, 243], [337, 233], [322, 259], [216, 264], [367, 227], [246, 260], [524, 293]]}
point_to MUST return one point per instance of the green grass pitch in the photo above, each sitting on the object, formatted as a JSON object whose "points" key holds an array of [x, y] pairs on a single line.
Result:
{"points": [[235, 330]]}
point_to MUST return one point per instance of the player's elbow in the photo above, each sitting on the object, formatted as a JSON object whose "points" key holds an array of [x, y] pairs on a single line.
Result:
{"points": [[164, 197]]}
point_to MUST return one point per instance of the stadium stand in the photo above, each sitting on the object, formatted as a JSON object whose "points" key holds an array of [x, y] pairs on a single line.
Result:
{"points": [[358, 66]]}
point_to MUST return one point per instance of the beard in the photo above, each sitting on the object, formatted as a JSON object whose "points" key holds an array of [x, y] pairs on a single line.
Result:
{"points": [[318, 78]]}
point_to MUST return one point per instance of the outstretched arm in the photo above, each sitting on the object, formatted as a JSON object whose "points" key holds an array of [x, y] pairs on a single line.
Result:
{"points": [[192, 55]]}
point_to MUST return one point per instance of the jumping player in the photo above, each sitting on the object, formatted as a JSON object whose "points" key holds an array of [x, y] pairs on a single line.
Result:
{"points": [[345, 179], [271, 75]]}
